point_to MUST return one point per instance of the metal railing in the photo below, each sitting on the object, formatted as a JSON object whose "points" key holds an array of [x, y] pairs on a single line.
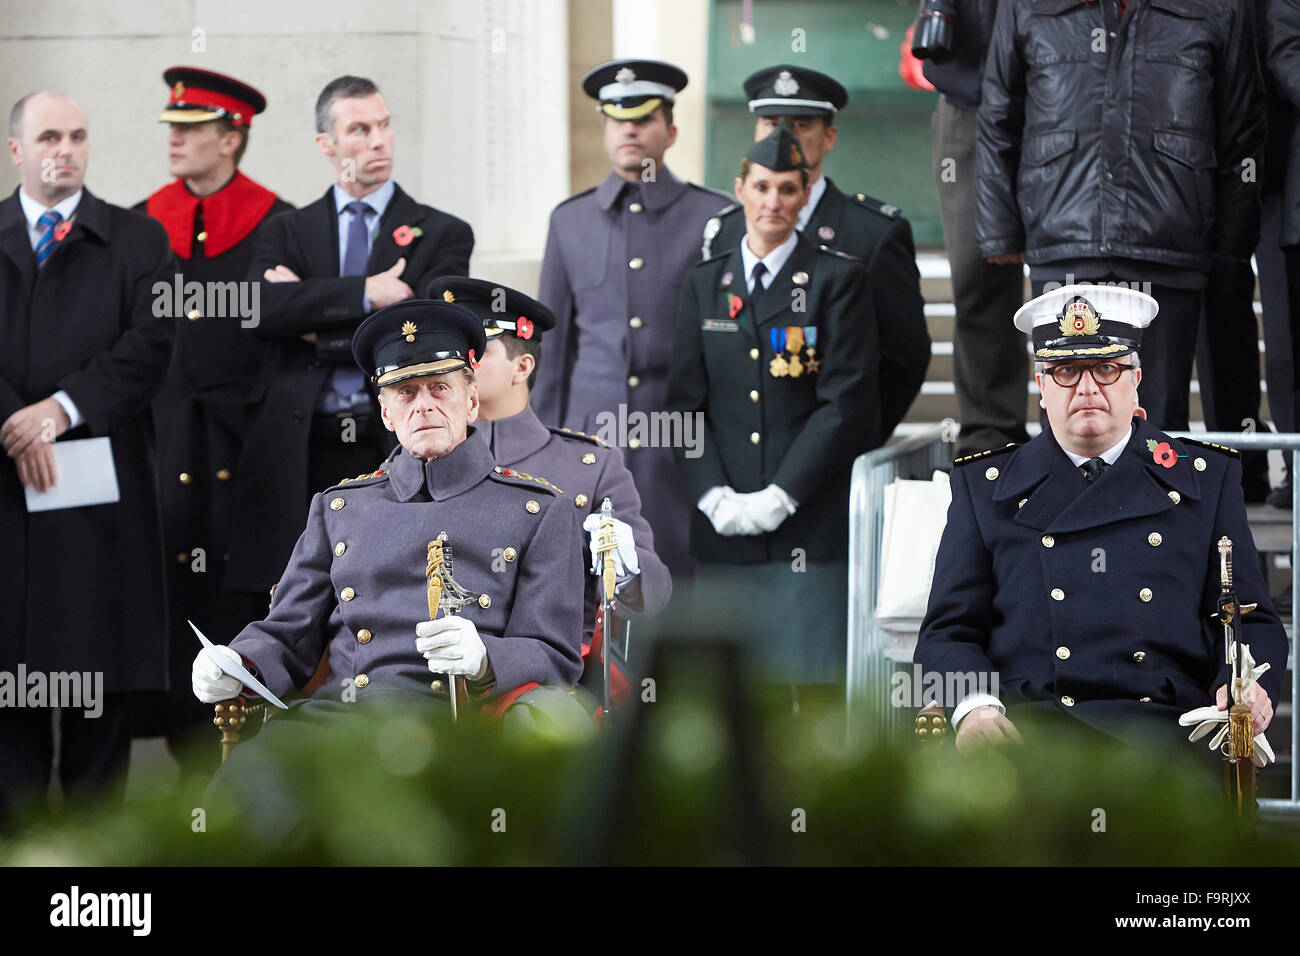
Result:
{"points": [[867, 680]]}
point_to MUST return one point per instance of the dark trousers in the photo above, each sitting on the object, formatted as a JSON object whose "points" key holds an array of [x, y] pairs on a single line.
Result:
{"points": [[93, 753], [339, 450], [991, 367], [1293, 295], [1279, 370], [1227, 365]]}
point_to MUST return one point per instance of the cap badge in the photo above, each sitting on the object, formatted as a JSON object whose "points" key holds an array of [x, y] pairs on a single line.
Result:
{"points": [[408, 329], [625, 76], [796, 157], [448, 296], [1079, 318], [785, 85], [178, 90]]}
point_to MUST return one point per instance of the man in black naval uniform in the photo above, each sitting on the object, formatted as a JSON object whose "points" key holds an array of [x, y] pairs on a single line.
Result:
{"points": [[584, 467], [211, 212], [1082, 569], [362, 246], [356, 589], [776, 349], [873, 231]]}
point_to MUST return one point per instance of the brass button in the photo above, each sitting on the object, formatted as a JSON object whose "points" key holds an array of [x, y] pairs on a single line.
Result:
{"points": [[347, 594], [633, 381], [634, 207], [194, 315], [223, 474], [580, 500], [182, 558], [755, 438], [202, 237], [1154, 539], [991, 473], [589, 459], [753, 353], [635, 262], [184, 478], [1144, 700], [1145, 594], [364, 635], [339, 549], [436, 686], [1048, 541], [510, 554], [1199, 464], [1063, 653], [484, 601], [1067, 700], [634, 443], [1139, 656], [753, 395], [1175, 497], [362, 680], [635, 322], [532, 507], [1058, 594], [1022, 502], [336, 504]]}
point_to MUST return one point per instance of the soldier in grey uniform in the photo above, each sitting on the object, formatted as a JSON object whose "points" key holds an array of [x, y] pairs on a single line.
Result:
{"points": [[616, 257], [776, 346], [355, 587], [867, 228], [586, 469]]}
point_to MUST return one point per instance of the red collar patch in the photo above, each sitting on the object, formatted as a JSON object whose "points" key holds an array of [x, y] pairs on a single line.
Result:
{"points": [[229, 214]]}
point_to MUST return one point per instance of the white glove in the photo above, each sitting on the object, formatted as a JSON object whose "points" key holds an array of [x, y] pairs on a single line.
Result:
{"points": [[721, 506], [766, 509], [451, 645], [1208, 718], [625, 559], [210, 683]]}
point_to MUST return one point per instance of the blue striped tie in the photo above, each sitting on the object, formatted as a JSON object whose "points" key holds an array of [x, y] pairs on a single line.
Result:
{"points": [[49, 219]]}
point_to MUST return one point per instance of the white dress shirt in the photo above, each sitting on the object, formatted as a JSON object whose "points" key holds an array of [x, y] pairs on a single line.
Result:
{"points": [[772, 262], [814, 197]]}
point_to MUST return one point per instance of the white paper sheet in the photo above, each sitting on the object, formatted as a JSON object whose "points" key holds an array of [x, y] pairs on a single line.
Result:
{"points": [[85, 476]]}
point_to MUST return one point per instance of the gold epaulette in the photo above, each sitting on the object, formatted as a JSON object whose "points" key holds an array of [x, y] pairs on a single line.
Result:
{"points": [[377, 473], [984, 454], [515, 473], [594, 439]]}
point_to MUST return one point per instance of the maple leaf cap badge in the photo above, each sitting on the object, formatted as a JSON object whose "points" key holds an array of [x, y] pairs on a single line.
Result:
{"points": [[1079, 318]]}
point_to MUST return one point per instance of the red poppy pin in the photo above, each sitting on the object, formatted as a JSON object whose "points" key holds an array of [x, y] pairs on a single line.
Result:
{"points": [[1162, 452], [405, 235], [62, 229], [524, 328], [473, 363], [734, 306]]}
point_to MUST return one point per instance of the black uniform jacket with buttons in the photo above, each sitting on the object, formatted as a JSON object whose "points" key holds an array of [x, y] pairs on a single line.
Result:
{"points": [[587, 471], [877, 234], [356, 585], [1102, 592], [801, 433], [84, 586], [274, 463]]}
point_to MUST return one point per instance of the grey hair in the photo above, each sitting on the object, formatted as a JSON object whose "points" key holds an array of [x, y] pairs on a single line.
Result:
{"points": [[340, 88]]}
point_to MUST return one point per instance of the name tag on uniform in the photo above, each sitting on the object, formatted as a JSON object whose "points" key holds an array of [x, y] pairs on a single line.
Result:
{"points": [[720, 325]]}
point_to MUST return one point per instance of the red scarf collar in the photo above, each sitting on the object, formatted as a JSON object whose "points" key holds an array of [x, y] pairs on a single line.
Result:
{"points": [[229, 214]]}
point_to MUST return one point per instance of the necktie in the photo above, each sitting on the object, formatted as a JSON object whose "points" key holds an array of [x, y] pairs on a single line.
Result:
{"points": [[357, 251], [756, 288], [45, 245], [1092, 468]]}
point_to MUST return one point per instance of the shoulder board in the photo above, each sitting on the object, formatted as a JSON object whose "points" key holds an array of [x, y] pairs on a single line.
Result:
{"points": [[576, 196], [364, 476], [839, 253], [524, 478], [577, 436], [1205, 444], [979, 456], [885, 209]]}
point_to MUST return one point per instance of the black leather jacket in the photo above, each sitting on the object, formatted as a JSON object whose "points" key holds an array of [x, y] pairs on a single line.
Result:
{"points": [[1135, 138]]}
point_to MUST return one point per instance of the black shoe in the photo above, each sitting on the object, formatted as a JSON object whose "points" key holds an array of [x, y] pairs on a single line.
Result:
{"points": [[1280, 497]]}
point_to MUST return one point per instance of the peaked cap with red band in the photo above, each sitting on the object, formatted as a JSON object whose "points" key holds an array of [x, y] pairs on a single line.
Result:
{"points": [[200, 96]]}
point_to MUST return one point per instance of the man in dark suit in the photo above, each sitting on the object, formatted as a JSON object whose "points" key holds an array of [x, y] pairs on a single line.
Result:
{"points": [[211, 212], [866, 228], [776, 357], [1081, 570], [362, 246], [84, 352]]}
